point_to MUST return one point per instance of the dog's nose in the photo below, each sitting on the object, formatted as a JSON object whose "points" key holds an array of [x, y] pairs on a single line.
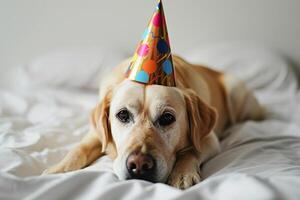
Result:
{"points": [[140, 166]]}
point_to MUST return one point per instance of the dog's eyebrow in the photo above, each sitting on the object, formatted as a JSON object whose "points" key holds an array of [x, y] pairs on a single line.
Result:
{"points": [[165, 107], [134, 106]]}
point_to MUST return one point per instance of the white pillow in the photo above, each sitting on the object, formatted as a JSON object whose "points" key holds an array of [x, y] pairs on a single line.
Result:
{"points": [[76, 67], [260, 67]]}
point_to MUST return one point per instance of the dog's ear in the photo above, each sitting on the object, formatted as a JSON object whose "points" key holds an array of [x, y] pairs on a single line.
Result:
{"points": [[202, 118], [100, 120]]}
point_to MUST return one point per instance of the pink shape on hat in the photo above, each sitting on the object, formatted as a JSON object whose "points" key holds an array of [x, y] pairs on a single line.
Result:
{"points": [[143, 50], [157, 20]]}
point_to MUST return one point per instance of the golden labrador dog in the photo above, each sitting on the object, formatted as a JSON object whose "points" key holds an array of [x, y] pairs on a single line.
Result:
{"points": [[159, 133]]}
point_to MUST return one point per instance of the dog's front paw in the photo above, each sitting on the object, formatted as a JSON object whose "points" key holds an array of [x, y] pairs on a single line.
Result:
{"points": [[183, 177], [73, 161], [53, 170]]}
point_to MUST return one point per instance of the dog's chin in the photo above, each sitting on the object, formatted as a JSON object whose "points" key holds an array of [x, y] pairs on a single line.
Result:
{"points": [[160, 175]]}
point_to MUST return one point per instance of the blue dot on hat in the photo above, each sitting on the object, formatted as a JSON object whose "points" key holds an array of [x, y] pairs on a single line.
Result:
{"points": [[159, 5], [162, 46], [142, 76], [168, 67]]}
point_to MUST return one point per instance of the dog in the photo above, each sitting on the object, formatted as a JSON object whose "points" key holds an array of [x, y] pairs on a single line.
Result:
{"points": [[159, 133]]}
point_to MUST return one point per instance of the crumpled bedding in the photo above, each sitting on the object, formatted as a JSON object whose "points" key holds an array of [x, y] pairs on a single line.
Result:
{"points": [[259, 160]]}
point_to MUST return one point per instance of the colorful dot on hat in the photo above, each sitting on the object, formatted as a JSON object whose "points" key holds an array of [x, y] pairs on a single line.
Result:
{"points": [[142, 76], [162, 46], [143, 50], [159, 5], [157, 20], [149, 66], [167, 67]]}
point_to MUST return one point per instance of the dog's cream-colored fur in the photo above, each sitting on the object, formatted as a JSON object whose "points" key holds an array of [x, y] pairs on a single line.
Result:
{"points": [[204, 101]]}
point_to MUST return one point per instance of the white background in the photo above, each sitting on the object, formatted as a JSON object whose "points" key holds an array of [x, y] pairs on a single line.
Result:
{"points": [[33, 27]]}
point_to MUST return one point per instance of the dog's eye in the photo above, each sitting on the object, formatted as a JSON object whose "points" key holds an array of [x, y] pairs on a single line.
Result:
{"points": [[166, 119], [123, 115]]}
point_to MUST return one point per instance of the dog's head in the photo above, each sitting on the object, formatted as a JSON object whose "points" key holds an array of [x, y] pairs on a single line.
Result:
{"points": [[143, 127]]}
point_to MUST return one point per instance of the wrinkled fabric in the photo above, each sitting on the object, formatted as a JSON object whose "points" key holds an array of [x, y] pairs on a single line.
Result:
{"points": [[259, 160]]}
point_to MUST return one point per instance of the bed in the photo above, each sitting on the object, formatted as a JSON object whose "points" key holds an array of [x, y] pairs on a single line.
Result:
{"points": [[45, 113]]}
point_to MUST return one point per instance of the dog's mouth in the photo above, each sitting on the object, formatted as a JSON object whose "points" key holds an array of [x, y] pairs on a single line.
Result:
{"points": [[145, 177], [141, 166]]}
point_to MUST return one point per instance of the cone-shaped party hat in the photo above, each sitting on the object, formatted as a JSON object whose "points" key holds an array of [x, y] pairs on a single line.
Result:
{"points": [[152, 62]]}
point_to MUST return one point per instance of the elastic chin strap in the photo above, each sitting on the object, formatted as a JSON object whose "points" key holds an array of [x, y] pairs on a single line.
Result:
{"points": [[182, 151]]}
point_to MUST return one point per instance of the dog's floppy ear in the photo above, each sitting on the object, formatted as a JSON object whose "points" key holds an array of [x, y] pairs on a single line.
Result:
{"points": [[100, 120], [202, 118]]}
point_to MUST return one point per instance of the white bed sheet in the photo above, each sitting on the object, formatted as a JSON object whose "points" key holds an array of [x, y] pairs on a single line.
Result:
{"points": [[259, 160]]}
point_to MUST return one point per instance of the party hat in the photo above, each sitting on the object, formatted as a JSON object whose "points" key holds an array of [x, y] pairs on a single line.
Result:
{"points": [[152, 62]]}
